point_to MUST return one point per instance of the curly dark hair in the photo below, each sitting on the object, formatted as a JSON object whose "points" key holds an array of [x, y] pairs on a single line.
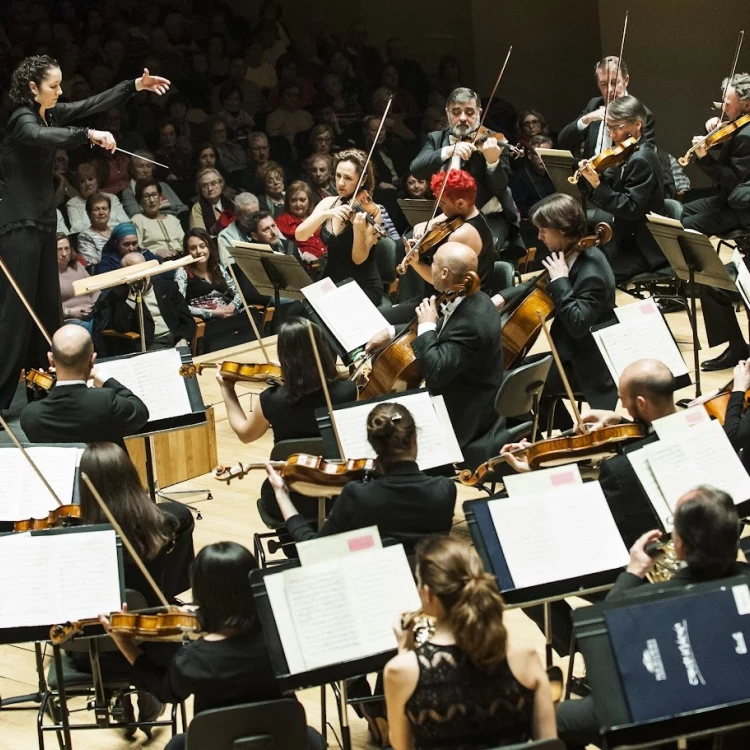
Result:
{"points": [[34, 69]]}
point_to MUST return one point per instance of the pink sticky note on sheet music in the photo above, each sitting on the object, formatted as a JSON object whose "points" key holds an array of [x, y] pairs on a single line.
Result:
{"points": [[359, 543], [696, 416], [648, 309], [563, 478]]}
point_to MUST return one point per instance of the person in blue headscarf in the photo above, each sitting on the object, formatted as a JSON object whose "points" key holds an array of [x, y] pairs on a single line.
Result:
{"points": [[123, 240]]}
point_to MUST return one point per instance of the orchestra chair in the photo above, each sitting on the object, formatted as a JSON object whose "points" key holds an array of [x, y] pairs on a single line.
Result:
{"points": [[268, 725], [103, 691], [503, 276], [737, 238], [128, 342], [553, 744], [273, 542]]}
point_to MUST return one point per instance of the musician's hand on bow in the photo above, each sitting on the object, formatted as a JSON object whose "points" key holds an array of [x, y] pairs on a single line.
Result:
{"points": [[556, 266], [104, 139], [521, 465], [742, 376], [491, 150], [342, 213], [641, 562], [589, 173], [463, 150], [598, 418], [596, 116], [498, 301], [155, 84], [712, 123], [700, 149], [379, 341], [427, 311]]}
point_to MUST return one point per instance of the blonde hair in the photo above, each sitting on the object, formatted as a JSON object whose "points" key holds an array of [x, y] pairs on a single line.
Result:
{"points": [[452, 570]]}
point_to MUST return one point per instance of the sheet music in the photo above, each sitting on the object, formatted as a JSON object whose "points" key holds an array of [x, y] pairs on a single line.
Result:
{"points": [[644, 337], [642, 468], [326, 548], [343, 609], [24, 495], [542, 480], [703, 455], [49, 573], [743, 277], [346, 310], [559, 535], [436, 440], [675, 424], [155, 378]]}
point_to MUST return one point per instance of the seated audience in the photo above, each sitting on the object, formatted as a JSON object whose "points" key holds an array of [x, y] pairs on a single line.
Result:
{"points": [[414, 187], [158, 232], [88, 184], [211, 294], [299, 204], [75, 309], [319, 173], [245, 205], [207, 156], [322, 139], [74, 413], [139, 169], [62, 178], [467, 686], [231, 155], [288, 118], [239, 122], [402, 501], [263, 229], [167, 321], [252, 97], [123, 240], [171, 153], [258, 154], [404, 103], [273, 179], [287, 72], [91, 241], [531, 123], [214, 209]]}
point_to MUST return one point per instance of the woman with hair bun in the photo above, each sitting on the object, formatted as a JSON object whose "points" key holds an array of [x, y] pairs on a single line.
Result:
{"points": [[465, 687], [403, 502]]}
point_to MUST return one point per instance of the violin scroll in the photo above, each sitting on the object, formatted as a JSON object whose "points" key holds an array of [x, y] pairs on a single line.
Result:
{"points": [[39, 380], [191, 370]]}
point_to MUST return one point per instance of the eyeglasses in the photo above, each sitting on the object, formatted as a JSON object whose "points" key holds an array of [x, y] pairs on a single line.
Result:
{"points": [[616, 127], [150, 196], [212, 184]]}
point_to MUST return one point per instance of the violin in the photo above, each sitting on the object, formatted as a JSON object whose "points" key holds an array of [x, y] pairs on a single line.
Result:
{"points": [[395, 369], [430, 239], [716, 406], [173, 624], [561, 450], [522, 326], [306, 474], [64, 516], [723, 132], [482, 133], [614, 156], [236, 371], [39, 380], [364, 204]]}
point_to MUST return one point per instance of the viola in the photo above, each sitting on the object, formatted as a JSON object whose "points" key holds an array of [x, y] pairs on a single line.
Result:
{"points": [[39, 380], [65, 515], [430, 239], [396, 369], [364, 204], [561, 450], [723, 132], [237, 371], [150, 626], [614, 156], [716, 406], [306, 474], [522, 326]]}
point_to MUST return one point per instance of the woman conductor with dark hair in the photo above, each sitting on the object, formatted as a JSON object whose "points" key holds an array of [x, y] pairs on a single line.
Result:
{"points": [[38, 127], [403, 502]]}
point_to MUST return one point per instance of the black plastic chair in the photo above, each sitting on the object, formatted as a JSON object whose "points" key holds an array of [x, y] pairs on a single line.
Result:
{"points": [[269, 725], [521, 391]]}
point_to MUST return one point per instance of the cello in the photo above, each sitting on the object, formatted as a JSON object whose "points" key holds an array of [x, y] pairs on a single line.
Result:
{"points": [[523, 325], [396, 369]]}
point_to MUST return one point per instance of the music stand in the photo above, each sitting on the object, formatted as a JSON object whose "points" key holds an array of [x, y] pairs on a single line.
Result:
{"points": [[416, 210], [269, 272], [560, 164], [694, 260]]}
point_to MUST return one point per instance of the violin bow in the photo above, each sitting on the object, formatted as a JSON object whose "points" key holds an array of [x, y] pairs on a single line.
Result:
{"points": [[492, 96], [740, 39], [363, 175], [25, 302], [253, 325], [617, 73], [33, 465], [566, 383], [118, 529]]}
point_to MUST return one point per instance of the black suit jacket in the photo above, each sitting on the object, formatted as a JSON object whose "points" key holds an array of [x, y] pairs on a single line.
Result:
{"points": [[172, 305], [405, 504], [464, 364], [78, 414], [582, 143], [429, 161], [629, 193], [732, 166]]}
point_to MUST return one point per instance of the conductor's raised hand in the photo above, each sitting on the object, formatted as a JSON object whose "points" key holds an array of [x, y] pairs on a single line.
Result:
{"points": [[155, 84], [427, 311], [103, 138]]}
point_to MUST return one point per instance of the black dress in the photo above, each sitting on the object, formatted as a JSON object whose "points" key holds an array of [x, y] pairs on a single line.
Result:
{"points": [[457, 706], [341, 266], [28, 224]]}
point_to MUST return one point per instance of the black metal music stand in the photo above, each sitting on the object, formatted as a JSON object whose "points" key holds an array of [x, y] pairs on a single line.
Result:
{"points": [[561, 164]]}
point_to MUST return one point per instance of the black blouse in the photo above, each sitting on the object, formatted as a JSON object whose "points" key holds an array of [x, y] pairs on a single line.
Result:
{"points": [[29, 148]]}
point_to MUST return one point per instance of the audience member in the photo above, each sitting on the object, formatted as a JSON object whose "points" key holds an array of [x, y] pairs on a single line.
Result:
{"points": [[259, 70], [322, 139], [91, 241], [299, 204], [288, 72], [158, 232], [239, 122], [142, 170], [319, 173], [232, 156], [252, 97], [531, 122], [263, 229], [258, 154], [75, 309], [415, 188], [214, 210], [529, 182], [245, 205], [169, 153], [273, 179], [123, 240], [62, 178], [88, 184], [288, 118], [410, 72]]}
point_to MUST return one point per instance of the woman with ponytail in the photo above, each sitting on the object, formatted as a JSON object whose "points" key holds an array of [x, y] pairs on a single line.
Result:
{"points": [[465, 688], [403, 502]]}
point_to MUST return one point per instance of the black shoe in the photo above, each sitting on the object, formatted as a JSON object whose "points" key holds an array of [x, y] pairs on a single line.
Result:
{"points": [[579, 687], [728, 358]]}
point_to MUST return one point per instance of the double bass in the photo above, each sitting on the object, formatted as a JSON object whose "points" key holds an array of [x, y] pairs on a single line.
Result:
{"points": [[523, 325]]}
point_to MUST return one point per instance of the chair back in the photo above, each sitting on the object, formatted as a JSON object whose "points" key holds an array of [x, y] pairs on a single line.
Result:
{"points": [[554, 744], [520, 386], [268, 725], [285, 448]]}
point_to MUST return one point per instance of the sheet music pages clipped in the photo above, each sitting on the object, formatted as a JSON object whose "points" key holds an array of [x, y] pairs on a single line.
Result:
{"points": [[642, 468], [155, 378], [58, 577], [436, 441], [558, 535], [25, 496], [346, 310], [640, 334], [343, 609], [701, 455], [542, 480]]}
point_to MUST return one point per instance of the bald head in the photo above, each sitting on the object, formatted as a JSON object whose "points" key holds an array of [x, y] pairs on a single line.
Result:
{"points": [[72, 352], [452, 261], [132, 259], [647, 389]]}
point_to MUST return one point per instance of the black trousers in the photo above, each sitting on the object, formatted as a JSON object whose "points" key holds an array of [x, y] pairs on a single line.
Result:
{"points": [[31, 257], [713, 216], [625, 262], [718, 313]]}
